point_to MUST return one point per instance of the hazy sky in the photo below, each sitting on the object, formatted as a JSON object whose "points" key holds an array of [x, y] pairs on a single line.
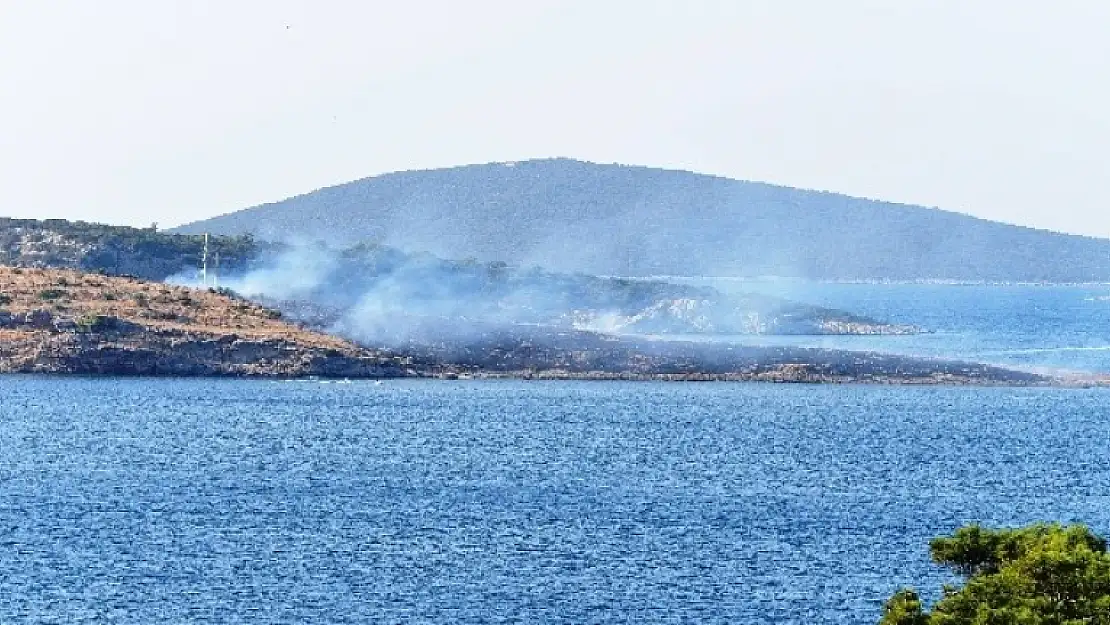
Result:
{"points": [[157, 110]]}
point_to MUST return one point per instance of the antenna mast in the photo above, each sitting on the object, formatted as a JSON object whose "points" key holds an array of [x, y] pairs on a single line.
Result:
{"points": [[204, 262]]}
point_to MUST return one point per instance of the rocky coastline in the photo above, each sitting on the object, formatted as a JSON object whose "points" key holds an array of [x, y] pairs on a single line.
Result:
{"points": [[56, 321], [159, 352], [527, 352]]}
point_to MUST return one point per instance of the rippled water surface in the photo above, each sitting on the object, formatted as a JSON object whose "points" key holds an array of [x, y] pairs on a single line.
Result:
{"points": [[1054, 327], [192, 501]]}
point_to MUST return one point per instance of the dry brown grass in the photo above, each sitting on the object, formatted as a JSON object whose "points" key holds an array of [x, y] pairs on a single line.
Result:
{"points": [[74, 294]]}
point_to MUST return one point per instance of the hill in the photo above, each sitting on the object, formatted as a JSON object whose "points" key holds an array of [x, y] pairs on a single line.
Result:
{"points": [[570, 215], [117, 250], [376, 291], [64, 321]]}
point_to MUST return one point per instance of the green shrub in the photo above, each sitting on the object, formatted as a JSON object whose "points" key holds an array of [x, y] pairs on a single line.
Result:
{"points": [[226, 292], [1044, 574], [163, 315], [91, 323], [49, 295], [5, 299]]}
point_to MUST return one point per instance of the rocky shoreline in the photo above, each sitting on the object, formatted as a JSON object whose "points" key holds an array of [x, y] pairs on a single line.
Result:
{"points": [[131, 349], [138, 351], [66, 322], [532, 354], [179, 353]]}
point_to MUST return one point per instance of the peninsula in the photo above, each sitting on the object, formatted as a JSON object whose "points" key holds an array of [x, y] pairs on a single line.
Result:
{"points": [[67, 321]]}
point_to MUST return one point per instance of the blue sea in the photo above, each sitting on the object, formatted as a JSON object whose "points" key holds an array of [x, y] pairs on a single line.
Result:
{"points": [[233, 501], [1034, 327]]}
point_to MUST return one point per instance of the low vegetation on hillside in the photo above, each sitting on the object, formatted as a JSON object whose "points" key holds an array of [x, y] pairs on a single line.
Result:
{"points": [[65, 321], [117, 250], [607, 219], [76, 296]]}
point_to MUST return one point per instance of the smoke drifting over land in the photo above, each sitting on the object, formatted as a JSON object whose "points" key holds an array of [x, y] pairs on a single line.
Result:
{"points": [[381, 296], [296, 273]]}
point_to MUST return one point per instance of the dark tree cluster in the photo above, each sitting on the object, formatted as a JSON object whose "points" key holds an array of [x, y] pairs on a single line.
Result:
{"points": [[1045, 574], [116, 250]]}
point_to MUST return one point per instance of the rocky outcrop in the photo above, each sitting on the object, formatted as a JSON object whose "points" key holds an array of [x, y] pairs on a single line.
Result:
{"points": [[177, 352], [168, 352], [57, 321]]}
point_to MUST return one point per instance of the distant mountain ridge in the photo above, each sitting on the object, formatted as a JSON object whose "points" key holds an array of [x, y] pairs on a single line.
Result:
{"points": [[570, 215]]}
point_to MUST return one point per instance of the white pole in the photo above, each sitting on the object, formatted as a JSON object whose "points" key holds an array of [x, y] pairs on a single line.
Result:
{"points": [[204, 262]]}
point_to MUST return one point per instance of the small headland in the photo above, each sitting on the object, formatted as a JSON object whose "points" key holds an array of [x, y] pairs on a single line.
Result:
{"points": [[65, 321], [544, 353]]}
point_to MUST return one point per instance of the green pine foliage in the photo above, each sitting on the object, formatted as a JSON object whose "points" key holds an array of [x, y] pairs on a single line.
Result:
{"points": [[1044, 574]]}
